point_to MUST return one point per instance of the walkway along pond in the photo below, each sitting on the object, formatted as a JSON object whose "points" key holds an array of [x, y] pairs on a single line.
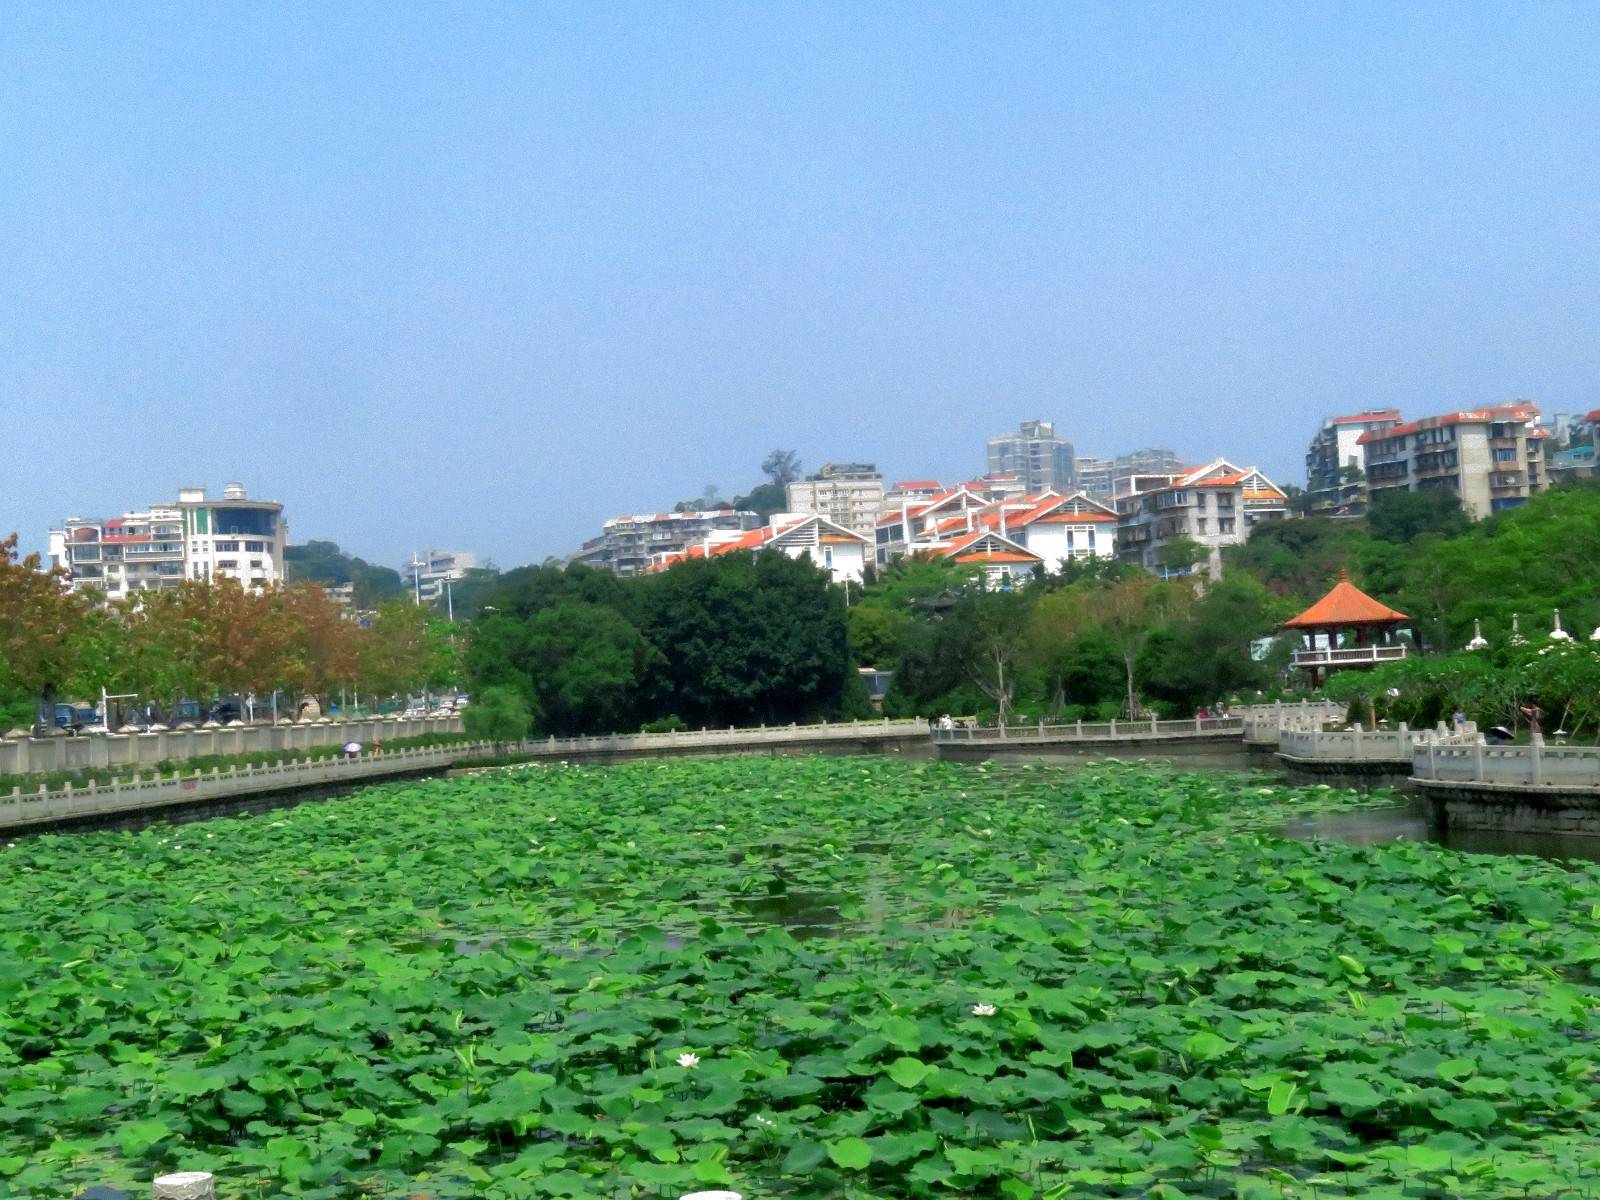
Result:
{"points": [[1468, 785]]}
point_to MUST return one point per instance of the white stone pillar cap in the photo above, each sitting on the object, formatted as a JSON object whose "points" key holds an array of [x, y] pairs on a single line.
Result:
{"points": [[184, 1185]]}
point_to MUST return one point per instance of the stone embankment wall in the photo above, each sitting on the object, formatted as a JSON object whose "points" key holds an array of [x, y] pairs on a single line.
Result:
{"points": [[25, 756]]}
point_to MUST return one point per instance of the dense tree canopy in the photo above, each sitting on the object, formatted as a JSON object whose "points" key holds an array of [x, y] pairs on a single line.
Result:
{"points": [[325, 563]]}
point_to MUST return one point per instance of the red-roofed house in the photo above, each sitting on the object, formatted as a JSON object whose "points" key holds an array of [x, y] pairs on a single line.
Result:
{"points": [[1492, 458], [1004, 561], [1213, 506], [839, 551]]}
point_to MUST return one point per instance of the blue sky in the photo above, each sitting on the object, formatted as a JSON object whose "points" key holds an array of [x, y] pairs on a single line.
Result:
{"points": [[481, 276]]}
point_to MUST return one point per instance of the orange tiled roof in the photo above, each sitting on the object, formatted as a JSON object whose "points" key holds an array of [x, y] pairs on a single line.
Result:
{"points": [[997, 556], [1346, 604], [1466, 416]]}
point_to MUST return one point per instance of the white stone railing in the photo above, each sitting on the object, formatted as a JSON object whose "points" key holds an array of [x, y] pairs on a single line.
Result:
{"points": [[1536, 765], [1348, 656], [1092, 731], [20, 808], [98, 751], [1365, 745], [685, 739], [1264, 723]]}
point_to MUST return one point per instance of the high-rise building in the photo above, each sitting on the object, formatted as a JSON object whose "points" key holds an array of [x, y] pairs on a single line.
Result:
{"points": [[196, 538], [1335, 462], [628, 545], [1036, 455], [848, 494], [1492, 458]]}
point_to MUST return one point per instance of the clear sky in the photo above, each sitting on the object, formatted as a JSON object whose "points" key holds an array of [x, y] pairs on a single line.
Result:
{"points": [[480, 276]]}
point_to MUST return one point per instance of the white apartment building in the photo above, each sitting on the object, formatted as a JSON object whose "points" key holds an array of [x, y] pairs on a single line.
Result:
{"points": [[196, 538], [841, 552], [1335, 459], [428, 574], [1492, 458], [848, 494], [1213, 506]]}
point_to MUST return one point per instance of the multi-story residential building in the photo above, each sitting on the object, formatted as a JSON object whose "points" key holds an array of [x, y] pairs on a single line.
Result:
{"points": [[1213, 506], [429, 574], [841, 552], [1335, 467], [196, 538], [848, 494], [628, 544], [1492, 458], [1034, 453]]}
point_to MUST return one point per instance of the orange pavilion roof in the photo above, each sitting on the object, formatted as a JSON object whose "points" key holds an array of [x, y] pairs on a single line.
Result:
{"points": [[1346, 604]]}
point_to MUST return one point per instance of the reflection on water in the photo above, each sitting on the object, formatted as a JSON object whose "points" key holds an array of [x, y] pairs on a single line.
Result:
{"points": [[1409, 823], [803, 914]]}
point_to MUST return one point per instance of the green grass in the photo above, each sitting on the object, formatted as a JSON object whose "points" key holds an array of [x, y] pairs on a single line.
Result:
{"points": [[483, 986]]}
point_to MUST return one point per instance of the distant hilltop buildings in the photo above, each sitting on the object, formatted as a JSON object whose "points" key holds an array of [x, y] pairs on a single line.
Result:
{"points": [[1490, 458], [1038, 507], [197, 537]]}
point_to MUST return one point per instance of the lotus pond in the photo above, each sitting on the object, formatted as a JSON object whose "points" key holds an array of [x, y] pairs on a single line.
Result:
{"points": [[799, 977]]}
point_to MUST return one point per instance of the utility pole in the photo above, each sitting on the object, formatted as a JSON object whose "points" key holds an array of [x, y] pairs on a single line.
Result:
{"points": [[416, 576]]}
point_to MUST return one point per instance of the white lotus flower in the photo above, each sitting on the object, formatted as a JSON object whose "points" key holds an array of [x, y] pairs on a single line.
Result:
{"points": [[983, 1010], [688, 1060]]}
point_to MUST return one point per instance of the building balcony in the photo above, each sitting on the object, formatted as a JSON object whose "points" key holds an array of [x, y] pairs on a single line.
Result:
{"points": [[1351, 656]]}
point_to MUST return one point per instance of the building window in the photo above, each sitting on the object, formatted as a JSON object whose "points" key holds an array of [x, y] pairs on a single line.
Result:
{"points": [[227, 547]]}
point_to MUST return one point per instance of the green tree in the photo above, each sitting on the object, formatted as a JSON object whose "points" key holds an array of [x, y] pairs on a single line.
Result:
{"points": [[1182, 554], [323, 562], [750, 639], [1399, 516], [587, 663], [781, 467], [499, 715]]}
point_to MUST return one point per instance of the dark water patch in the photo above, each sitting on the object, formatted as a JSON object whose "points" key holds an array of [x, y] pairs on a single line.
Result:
{"points": [[803, 914]]}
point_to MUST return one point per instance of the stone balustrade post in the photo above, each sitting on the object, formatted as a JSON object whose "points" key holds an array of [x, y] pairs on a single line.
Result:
{"points": [[184, 1185]]}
